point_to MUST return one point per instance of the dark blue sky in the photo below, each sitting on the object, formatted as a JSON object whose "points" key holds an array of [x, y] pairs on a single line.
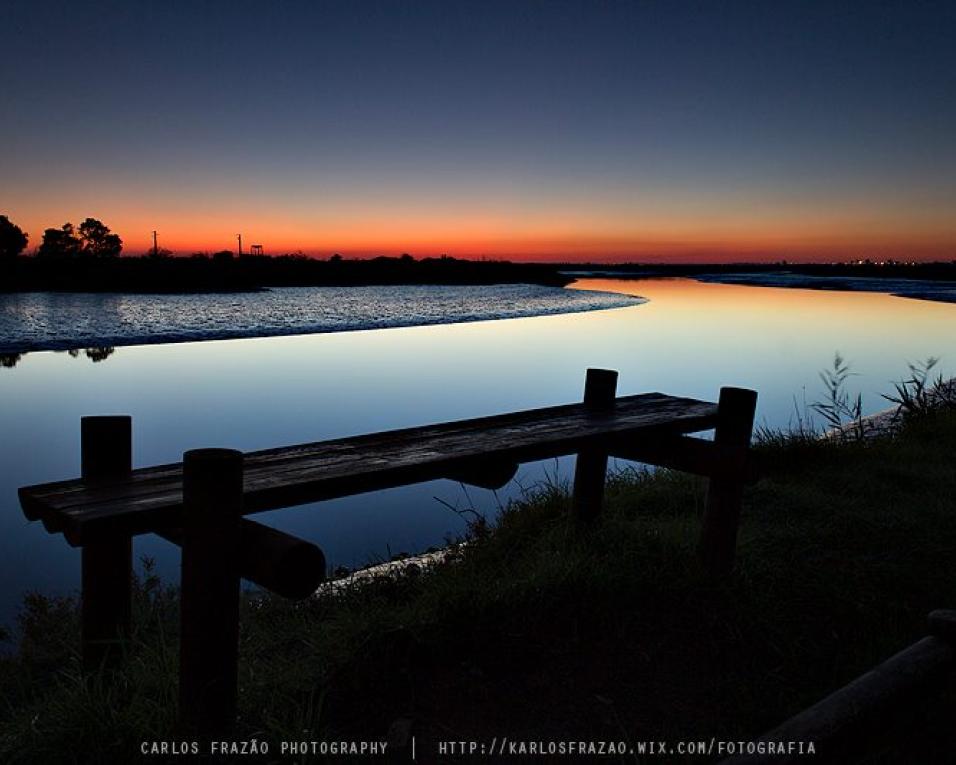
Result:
{"points": [[626, 129]]}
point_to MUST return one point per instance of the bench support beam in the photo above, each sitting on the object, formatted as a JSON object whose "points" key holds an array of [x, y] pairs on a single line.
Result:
{"points": [[489, 474], [107, 564], [276, 561], [688, 455]]}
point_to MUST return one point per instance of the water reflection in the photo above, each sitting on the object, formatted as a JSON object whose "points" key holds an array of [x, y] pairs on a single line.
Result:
{"points": [[95, 354]]}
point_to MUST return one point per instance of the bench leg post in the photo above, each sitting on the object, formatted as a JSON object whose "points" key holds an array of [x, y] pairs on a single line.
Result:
{"points": [[107, 563], [590, 470], [718, 540], [209, 627]]}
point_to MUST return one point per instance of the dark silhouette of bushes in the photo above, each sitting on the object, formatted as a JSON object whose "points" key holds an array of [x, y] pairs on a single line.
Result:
{"points": [[92, 239], [12, 239], [61, 242], [85, 258], [224, 272]]}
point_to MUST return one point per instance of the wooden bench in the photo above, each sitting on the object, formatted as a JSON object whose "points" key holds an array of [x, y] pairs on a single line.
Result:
{"points": [[199, 503]]}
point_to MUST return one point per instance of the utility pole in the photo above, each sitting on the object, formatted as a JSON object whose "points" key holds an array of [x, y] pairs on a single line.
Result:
{"points": [[155, 246], [239, 237]]}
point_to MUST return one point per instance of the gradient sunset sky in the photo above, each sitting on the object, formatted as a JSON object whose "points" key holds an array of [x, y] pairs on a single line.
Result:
{"points": [[554, 130]]}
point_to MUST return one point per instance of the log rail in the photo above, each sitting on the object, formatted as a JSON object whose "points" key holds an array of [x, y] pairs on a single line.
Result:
{"points": [[200, 505], [867, 713]]}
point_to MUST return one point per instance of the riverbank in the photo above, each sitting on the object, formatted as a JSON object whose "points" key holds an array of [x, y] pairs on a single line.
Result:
{"points": [[934, 282], [940, 291], [223, 272], [533, 632]]}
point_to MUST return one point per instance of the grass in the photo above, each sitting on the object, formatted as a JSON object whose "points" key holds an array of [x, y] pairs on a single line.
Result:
{"points": [[545, 631]]}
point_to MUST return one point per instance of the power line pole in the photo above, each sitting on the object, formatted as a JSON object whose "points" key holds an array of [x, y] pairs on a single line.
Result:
{"points": [[239, 236], [155, 246]]}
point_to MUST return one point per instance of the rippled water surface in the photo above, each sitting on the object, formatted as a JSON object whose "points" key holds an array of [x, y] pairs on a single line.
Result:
{"points": [[58, 321]]}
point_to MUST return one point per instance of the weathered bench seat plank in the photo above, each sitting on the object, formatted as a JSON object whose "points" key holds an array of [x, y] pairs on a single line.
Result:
{"points": [[151, 498]]}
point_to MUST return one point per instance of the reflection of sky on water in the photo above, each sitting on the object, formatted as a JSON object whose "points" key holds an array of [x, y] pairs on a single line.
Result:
{"points": [[253, 394]]}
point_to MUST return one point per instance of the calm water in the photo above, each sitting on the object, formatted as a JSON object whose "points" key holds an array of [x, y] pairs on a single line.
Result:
{"points": [[689, 339]]}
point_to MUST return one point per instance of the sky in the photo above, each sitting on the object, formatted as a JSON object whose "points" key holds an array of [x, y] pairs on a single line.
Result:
{"points": [[597, 131]]}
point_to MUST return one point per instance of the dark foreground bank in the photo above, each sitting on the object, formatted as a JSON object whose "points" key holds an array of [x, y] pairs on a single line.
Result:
{"points": [[537, 631]]}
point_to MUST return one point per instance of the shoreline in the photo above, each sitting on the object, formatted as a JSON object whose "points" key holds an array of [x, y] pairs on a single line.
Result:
{"points": [[931, 290], [912, 289]]}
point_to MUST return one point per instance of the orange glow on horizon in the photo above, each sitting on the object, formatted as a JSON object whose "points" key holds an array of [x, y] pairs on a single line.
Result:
{"points": [[533, 237]]}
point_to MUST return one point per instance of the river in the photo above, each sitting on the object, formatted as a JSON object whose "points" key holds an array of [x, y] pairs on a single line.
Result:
{"points": [[689, 338]]}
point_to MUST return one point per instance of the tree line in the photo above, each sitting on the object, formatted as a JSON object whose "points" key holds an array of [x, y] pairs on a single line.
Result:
{"points": [[91, 239], [85, 258]]}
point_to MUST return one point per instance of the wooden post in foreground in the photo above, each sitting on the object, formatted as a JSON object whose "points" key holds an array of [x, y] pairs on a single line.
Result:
{"points": [[590, 470], [718, 539], [106, 563], [209, 637]]}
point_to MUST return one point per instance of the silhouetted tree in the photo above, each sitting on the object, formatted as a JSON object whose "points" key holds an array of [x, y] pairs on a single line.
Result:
{"points": [[92, 239], [9, 360], [159, 253], [223, 256], [12, 239], [61, 242], [98, 242], [336, 258]]}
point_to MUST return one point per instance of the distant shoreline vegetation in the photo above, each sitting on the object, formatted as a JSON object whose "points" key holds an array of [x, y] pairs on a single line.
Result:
{"points": [[224, 272], [885, 269], [86, 258]]}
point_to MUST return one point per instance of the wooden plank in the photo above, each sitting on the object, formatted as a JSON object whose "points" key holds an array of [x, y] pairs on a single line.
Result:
{"points": [[312, 472], [684, 415], [549, 424]]}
